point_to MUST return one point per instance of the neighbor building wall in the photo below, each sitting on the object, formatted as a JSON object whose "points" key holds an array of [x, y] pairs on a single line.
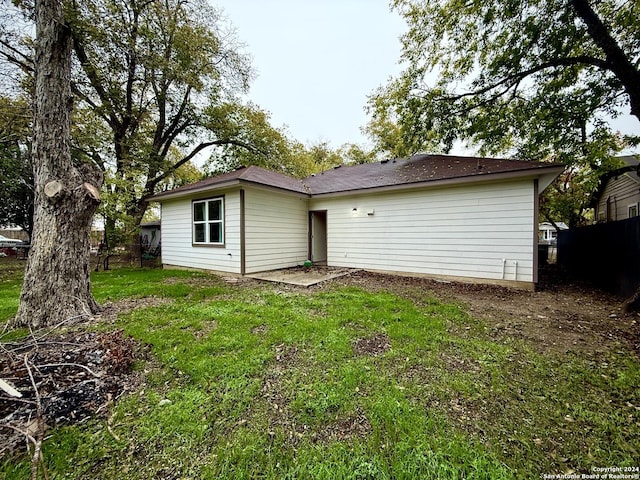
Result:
{"points": [[15, 233], [177, 246], [621, 192], [481, 231], [276, 229]]}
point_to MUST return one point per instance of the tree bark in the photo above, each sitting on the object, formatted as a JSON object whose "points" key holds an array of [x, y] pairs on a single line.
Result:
{"points": [[56, 286], [617, 60]]}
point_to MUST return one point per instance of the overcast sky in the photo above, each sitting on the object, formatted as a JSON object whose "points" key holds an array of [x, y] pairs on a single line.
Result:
{"points": [[318, 60]]}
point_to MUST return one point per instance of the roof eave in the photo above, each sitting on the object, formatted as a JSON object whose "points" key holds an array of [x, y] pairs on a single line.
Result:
{"points": [[173, 194], [236, 182], [549, 176]]}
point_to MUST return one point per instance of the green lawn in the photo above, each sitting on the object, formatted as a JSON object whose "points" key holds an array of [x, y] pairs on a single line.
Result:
{"points": [[338, 382]]}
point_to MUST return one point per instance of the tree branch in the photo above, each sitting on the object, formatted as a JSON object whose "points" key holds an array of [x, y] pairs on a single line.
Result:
{"points": [[154, 181], [85, 98], [168, 141], [25, 65], [95, 80], [132, 65], [517, 77], [77, 365], [617, 60], [37, 458], [94, 156], [168, 137]]}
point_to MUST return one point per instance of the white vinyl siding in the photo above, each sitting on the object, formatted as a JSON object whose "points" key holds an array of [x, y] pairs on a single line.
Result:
{"points": [[621, 192], [276, 230], [177, 247], [481, 231]]}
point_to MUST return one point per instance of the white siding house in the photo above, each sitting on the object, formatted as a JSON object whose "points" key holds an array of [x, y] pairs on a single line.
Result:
{"points": [[178, 248], [452, 217], [620, 198], [548, 232], [276, 233], [618, 195], [479, 231]]}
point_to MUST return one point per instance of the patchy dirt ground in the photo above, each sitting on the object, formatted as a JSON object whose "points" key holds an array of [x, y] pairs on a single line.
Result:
{"points": [[78, 374], [559, 316]]}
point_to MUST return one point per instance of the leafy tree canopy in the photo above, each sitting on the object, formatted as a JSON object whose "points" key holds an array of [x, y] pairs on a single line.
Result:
{"points": [[16, 178], [286, 155], [159, 76], [535, 79], [157, 83]]}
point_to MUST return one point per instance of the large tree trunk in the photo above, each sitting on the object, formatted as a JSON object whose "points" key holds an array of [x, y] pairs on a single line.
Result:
{"points": [[57, 285]]}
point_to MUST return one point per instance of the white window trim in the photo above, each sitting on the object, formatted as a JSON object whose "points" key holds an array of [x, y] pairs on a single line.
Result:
{"points": [[206, 222], [629, 207]]}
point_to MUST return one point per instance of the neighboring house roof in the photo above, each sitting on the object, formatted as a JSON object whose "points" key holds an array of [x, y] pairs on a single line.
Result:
{"points": [[414, 171], [4, 239], [549, 226], [153, 223], [629, 160]]}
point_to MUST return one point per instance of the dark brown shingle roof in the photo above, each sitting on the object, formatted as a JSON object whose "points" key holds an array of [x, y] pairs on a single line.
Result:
{"points": [[414, 170], [251, 174], [418, 169]]}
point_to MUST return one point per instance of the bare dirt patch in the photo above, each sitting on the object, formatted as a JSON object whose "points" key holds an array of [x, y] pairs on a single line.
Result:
{"points": [[111, 310], [356, 425], [260, 329], [456, 363], [373, 346], [274, 403]]}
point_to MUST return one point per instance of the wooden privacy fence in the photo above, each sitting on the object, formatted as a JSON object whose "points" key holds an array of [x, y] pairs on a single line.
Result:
{"points": [[606, 254]]}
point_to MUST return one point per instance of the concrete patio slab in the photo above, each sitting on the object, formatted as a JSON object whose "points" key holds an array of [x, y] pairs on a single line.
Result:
{"points": [[304, 277]]}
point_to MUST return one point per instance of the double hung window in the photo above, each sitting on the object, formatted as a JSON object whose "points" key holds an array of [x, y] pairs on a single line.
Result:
{"points": [[208, 221]]}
